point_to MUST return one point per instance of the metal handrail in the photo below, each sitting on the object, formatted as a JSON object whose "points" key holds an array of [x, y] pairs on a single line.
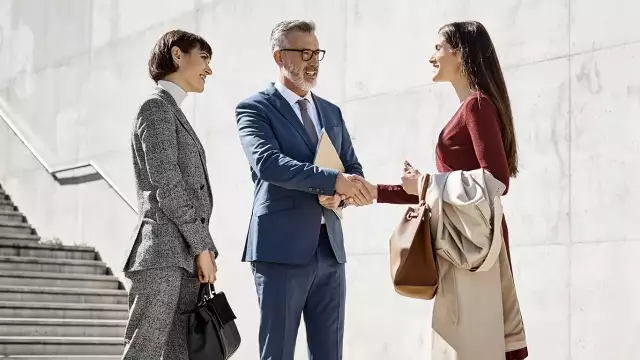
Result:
{"points": [[98, 174]]}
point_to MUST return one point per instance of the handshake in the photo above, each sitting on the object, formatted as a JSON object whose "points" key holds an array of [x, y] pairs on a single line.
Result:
{"points": [[353, 190]]}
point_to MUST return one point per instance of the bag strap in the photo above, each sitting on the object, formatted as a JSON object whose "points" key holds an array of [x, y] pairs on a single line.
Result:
{"points": [[423, 190]]}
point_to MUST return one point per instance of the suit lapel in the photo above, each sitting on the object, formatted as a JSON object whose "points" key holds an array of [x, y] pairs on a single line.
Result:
{"points": [[320, 111], [182, 119], [325, 120], [279, 102]]}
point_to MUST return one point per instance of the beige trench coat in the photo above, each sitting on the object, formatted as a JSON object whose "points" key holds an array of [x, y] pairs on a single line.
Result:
{"points": [[476, 315]]}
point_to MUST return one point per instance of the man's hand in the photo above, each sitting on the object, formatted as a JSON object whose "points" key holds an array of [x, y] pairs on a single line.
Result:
{"points": [[348, 186], [330, 202], [207, 267], [410, 176]]}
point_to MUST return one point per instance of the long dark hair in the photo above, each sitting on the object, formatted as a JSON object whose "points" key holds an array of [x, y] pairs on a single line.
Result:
{"points": [[481, 66]]}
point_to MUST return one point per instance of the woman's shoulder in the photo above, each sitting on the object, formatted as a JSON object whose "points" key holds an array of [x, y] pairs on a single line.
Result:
{"points": [[154, 104], [478, 101], [478, 107], [156, 112]]}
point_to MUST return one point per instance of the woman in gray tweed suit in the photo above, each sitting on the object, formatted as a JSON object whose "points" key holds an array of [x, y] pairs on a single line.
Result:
{"points": [[173, 245]]}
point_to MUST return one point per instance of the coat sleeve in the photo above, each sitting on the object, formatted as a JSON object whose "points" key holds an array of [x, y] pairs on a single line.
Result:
{"points": [[395, 194], [462, 220], [347, 152], [270, 164]]}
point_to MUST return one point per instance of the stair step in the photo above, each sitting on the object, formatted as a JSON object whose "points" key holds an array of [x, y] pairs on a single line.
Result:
{"points": [[52, 265], [38, 345], [63, 311], [6, 205], [62, 327], [62, 295], [23, 239], [19, 228], [41, 250], [77, 281], [11, 216]]}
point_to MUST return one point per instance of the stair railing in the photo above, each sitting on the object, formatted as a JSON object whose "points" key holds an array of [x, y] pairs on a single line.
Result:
{"points": [[96, 174]]}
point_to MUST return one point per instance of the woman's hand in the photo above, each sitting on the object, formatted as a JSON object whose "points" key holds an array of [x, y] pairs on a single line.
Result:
{"points": [[410, 176], [207, 268]]}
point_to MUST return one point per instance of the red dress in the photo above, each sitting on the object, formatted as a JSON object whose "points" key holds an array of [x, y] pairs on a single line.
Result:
{"points": [[470, 140]]}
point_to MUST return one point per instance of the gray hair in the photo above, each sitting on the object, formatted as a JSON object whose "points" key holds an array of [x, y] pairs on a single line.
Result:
{"points": [[279, 33]]}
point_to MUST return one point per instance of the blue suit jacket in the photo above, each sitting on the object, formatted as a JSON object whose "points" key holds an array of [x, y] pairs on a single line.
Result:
{"points": [[286, 215]]}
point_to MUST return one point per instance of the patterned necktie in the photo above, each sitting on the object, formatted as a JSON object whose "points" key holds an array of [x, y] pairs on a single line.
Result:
{"points": [[306, 120]]}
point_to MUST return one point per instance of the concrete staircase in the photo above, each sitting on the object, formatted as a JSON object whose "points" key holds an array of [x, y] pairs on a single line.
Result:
{"points": [[56, 302]]}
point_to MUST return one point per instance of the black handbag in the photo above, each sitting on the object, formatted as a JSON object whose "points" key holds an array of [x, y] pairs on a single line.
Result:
{"points": [[213, 334]]}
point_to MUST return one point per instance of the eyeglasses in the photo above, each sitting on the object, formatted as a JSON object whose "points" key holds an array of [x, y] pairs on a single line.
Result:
{"points": [[308, 54]]}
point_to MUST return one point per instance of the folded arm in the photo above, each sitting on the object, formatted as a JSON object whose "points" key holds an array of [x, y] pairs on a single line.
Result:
{"points": [[263, 152], [156, 128]]}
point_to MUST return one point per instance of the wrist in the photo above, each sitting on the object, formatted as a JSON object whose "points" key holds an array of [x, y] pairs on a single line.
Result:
{"points": [[338, 179], [329, 182]]}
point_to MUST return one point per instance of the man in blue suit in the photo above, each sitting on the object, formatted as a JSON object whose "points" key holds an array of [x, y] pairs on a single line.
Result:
{"points": [[295, 243]]}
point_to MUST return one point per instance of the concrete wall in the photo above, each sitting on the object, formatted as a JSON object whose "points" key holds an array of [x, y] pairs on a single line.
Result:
{"points": [[73, 72]]}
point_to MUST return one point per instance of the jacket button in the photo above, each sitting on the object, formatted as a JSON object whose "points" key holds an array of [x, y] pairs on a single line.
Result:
{"points": [[202, 187], [311, 189], [203, 220]]}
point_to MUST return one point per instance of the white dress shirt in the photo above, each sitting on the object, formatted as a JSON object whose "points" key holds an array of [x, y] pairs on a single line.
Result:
{"points": [[292, 98]]}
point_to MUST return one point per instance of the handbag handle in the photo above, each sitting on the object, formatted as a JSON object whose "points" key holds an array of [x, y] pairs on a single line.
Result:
{"points": [[423, 191], [422, 201], [207, 292]]}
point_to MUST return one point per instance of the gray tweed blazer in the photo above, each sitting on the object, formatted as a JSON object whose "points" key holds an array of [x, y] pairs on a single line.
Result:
{"points": [[173, 190]]}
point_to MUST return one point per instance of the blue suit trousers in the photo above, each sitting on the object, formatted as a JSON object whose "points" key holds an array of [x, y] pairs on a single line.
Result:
{"points": [[315, 290]]}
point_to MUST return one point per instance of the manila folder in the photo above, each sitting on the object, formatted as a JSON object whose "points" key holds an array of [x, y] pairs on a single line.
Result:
{"points": [[327, 157]]}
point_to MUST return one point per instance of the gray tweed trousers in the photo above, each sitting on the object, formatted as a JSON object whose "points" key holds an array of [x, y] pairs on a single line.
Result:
{"points": [[157, 326]]}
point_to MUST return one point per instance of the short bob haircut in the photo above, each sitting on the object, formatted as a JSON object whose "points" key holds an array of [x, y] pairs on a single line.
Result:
{"points": [[161, 61]]}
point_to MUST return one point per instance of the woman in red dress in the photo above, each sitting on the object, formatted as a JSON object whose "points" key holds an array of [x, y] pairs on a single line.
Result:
{"points": [[481, 133]]}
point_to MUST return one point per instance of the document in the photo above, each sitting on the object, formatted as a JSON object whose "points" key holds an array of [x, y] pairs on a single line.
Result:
{"points": [[327, 157]]}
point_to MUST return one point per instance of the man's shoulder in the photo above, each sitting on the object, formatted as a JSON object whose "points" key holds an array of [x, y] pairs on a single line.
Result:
{"points": [[258, 102], [258, 97], [320, 101]]}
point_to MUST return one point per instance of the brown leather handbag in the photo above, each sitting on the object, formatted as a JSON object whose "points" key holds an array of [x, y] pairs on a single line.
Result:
{"points": [[412, 257]]}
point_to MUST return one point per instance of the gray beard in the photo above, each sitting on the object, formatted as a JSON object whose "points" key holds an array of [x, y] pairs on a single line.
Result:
{"points": [[296, 76]]}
